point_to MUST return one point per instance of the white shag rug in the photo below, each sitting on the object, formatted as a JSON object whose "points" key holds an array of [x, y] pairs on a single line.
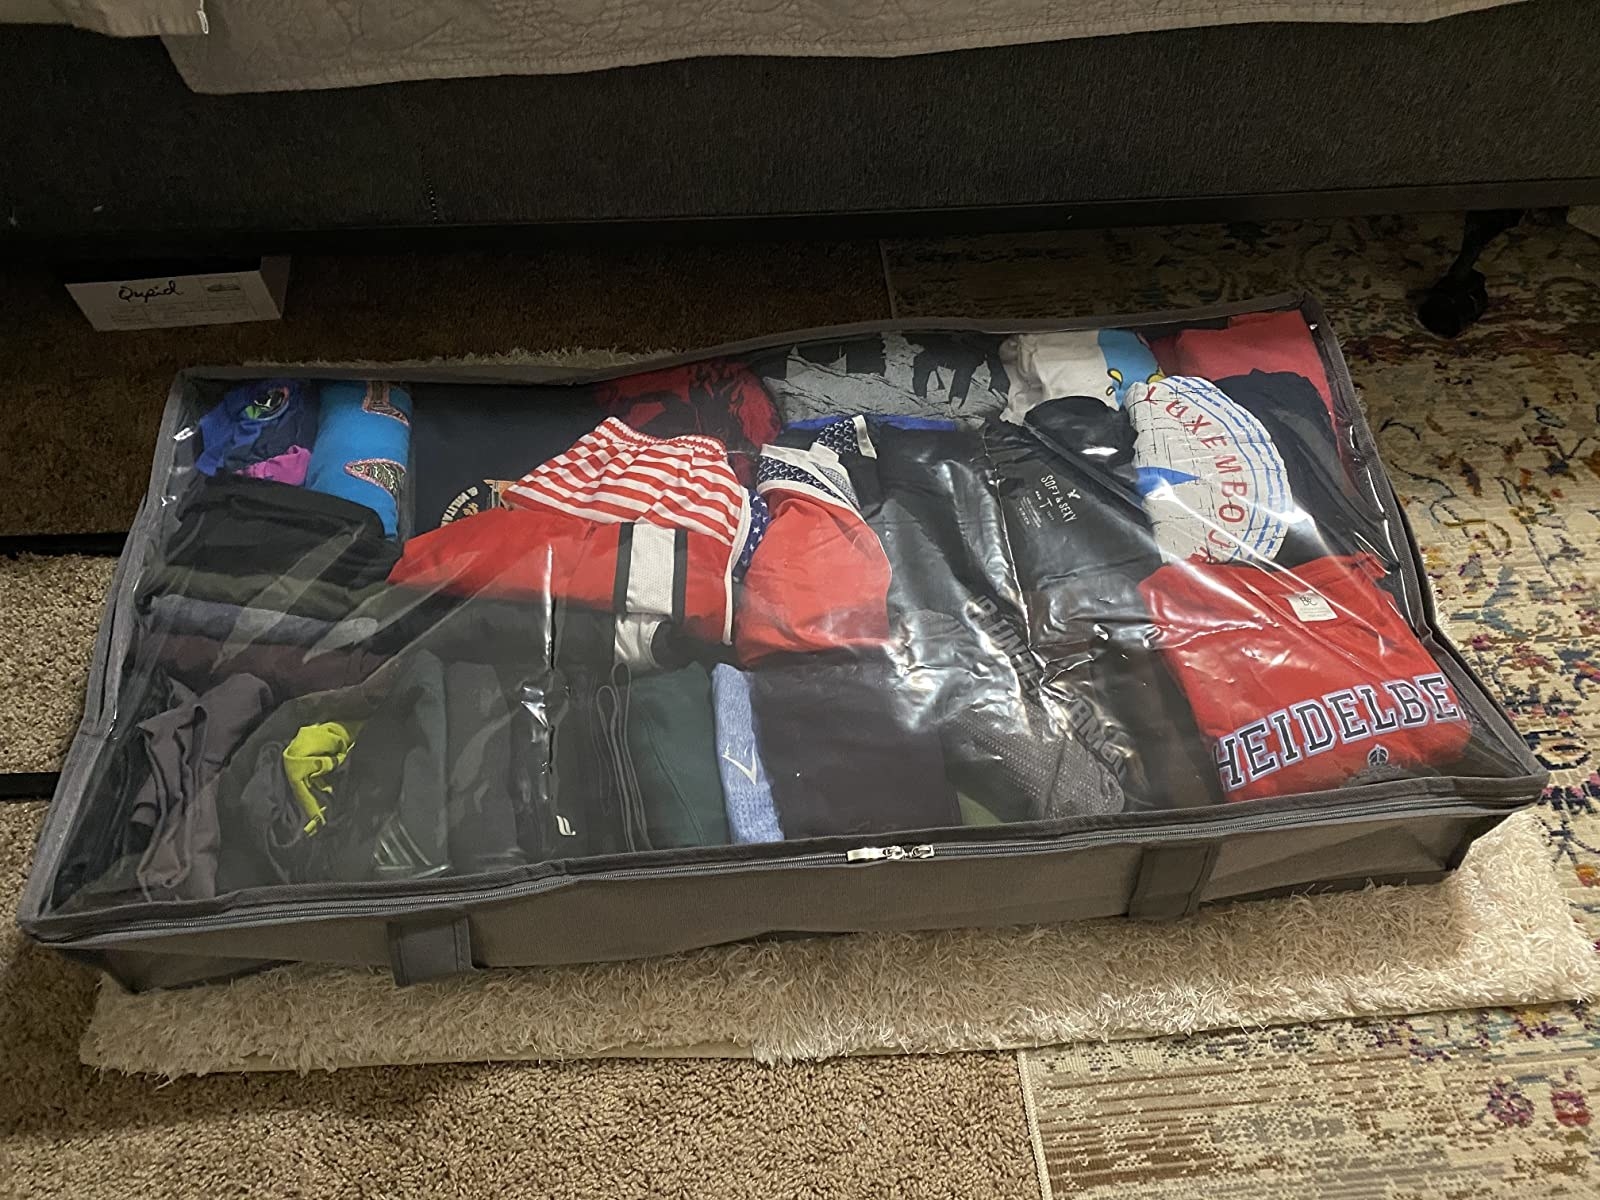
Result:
{"points": [[1498, 931]]}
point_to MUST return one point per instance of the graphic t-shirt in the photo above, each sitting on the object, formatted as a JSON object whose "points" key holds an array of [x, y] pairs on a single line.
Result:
{"points": [[1303, 679], [1213, 481], [950, 376]]}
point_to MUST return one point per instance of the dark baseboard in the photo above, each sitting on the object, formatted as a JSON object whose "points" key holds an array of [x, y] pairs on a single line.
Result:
{"points": [[104, 545], [28, 785], [926, 222]]}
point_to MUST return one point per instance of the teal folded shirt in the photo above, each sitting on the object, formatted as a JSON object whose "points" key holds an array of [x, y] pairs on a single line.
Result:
{"points": [[672, 741]]}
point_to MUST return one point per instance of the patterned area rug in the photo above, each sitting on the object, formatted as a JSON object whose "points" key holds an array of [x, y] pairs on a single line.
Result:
{"points": [[1493, 442]]}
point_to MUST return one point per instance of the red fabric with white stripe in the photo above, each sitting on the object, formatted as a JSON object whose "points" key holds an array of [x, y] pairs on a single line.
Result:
{"points": [[528, 553], [617, 474]]}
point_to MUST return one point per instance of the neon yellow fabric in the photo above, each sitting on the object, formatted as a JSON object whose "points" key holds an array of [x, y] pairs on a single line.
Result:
{"points": [[309, 759]]}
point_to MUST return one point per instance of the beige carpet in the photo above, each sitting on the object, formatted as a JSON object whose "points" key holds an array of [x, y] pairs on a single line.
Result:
{"points": [[1497, 931], [52, 610]]}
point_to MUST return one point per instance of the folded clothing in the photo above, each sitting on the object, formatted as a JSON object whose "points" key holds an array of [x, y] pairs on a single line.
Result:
{"points": [[481, 807], [289, 467], [618, 475], [238, 624], [1116, 685], [952, 376], [1007, 742], [622, 522], [240, 526], [1270, 342], [719, 399], [760, 521], [530, 555], [385, 816], [1343, 519], [363, 446], [199, 662], [166, 843], [930, 497], [1213, 480], [1102, 364], [1078, 534], [1022, 771], [1303, 679], [672, 742], [746, 789], [470, 442], [314, 599], [847, 750], [256, 422], [819, 580]]}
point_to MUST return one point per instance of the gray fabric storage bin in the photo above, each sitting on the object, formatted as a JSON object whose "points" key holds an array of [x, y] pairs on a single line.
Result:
{"points": [[1418, 769]]}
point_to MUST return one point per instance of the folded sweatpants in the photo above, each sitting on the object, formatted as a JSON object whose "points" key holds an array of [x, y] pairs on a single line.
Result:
{"points": [[1303, 679]]}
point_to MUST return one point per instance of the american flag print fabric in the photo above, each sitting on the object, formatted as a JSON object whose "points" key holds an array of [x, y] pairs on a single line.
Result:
{"points": [[618, 475]]}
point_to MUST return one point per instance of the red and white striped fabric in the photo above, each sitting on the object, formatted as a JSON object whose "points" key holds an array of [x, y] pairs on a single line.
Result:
{"points": [[618, 475]]}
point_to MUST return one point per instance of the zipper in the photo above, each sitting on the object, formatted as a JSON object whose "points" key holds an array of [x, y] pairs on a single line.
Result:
{"points": [[887, 853], [282, 912]]}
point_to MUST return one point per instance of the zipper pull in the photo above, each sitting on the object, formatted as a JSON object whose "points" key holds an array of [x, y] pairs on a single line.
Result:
{"points": [[887, 853]]}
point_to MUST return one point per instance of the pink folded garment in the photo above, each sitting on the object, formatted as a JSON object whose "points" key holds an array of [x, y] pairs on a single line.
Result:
{"points": [[288, 467]]}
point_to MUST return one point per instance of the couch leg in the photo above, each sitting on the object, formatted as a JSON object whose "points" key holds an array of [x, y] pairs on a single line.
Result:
{"points": [[1453, 304]]}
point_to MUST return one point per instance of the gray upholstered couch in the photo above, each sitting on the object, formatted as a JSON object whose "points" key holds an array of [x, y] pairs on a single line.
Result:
{"points": [[103, 146]]}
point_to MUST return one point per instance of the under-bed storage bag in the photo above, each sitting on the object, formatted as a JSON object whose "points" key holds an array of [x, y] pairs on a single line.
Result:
{"points": [[883, 627]]}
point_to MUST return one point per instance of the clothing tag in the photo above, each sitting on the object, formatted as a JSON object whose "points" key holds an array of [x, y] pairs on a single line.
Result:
{"points": [[864, 438], [1310, 606]]}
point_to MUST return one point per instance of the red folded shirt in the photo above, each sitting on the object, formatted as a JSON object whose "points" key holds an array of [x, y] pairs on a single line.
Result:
{"points": [[819, 580], [1302, 679], [622, 522], [526, 553], [1277, 341]]}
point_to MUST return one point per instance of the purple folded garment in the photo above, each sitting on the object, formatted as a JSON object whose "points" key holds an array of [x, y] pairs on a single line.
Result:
{"points": [[288, 467]]}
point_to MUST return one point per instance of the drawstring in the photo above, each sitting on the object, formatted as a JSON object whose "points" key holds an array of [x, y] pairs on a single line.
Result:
{"points": [[611, 705]]}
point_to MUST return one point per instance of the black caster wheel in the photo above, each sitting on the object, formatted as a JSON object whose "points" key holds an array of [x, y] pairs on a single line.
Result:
{"points": [[1452, 305]]}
